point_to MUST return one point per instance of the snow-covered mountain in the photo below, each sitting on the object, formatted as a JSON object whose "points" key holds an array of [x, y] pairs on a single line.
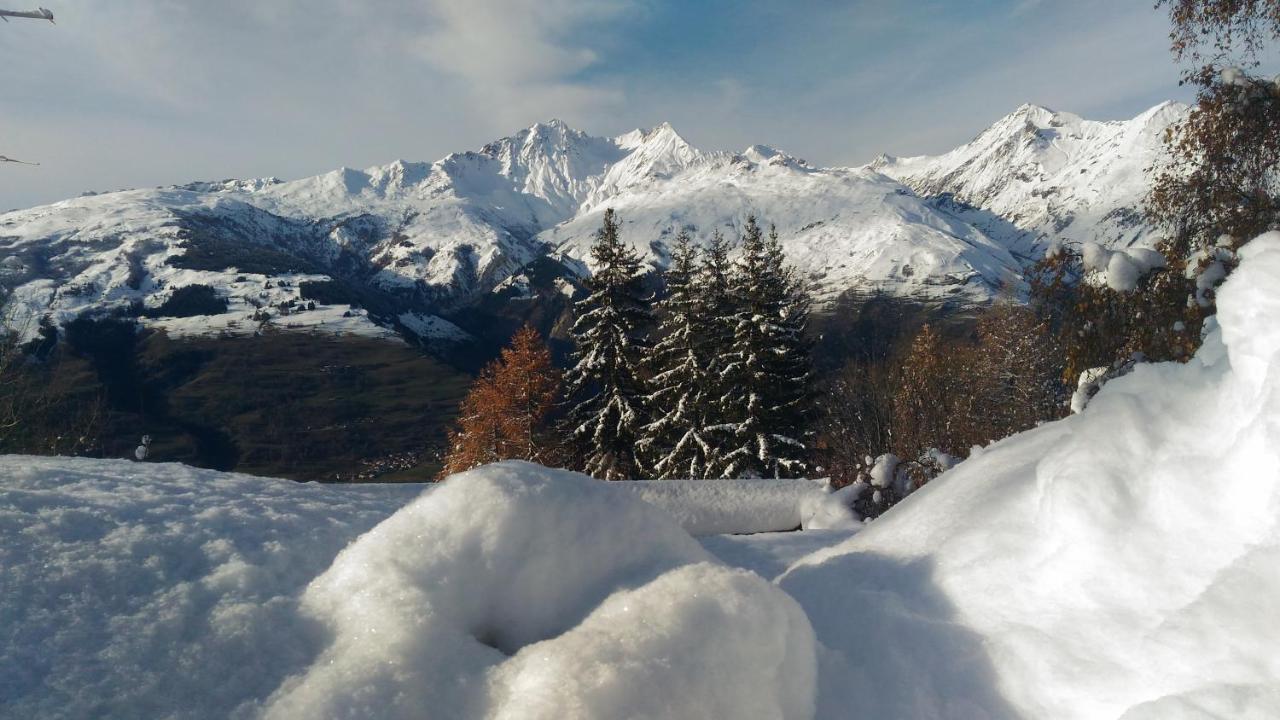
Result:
{"points": [[411, 242], [1039, 175]]}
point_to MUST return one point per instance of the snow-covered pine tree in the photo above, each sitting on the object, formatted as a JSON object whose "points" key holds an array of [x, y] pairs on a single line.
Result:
{"points": [[605, 386], [791, 362], [766, 375], [675, 444]]}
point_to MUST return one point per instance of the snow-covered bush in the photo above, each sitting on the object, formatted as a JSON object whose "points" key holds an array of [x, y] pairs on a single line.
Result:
{"points": [[890, 480]]}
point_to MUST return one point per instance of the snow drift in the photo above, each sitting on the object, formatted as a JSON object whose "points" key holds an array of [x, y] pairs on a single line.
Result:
{"points": [[150, 590], [515, 591], [1121, 563]]}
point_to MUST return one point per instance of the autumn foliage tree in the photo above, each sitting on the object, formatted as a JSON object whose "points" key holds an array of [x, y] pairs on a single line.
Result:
{"points": [[505, 414], [942, 393], [932, 407]]}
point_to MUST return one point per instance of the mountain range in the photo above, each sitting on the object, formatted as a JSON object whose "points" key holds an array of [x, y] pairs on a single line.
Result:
{"points": [[410, 249]]}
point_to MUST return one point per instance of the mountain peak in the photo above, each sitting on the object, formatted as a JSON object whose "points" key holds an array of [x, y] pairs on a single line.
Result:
{"points": [[554, 125], [663, 132], [767, 155]]}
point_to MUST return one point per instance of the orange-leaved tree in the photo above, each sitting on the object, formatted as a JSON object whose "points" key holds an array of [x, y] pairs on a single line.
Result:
{"points": [[504, 415]]}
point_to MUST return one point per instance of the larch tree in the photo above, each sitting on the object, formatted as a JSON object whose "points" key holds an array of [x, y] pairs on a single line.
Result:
{"points": [[930, 404], [605, 385], [530, 384], [504, 415], [676, 443]]}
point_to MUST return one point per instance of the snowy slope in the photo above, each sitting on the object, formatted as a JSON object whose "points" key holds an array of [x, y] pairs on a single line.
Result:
{"points": [[1048, 175], [843, 229], [1122, 563]]}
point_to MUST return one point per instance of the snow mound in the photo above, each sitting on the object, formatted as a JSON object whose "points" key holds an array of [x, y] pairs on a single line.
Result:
{"points": [[719, 507], [518, 591], [1121, 563]]}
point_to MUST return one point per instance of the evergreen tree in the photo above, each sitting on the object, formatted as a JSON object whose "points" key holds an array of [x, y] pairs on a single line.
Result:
{"points": [[605, 383], [676, 443], [791, 359], [766, 376]]}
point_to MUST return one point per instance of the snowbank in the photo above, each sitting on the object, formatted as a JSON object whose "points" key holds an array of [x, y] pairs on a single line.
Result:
{"points": [[138, 590], [1121, 563], [515, 591], [718, 507]]}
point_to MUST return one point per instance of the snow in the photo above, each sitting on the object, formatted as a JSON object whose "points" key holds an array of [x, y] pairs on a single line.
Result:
{"points": [[1119, 269], [1039, 177], [158, 590], [718, 507], [433, 327], [153, 590], [1120, 563], [525, 592], [1087, 385], [841, 228]]}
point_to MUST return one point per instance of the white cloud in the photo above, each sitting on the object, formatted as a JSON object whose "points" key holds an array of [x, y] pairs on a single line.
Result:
{"points": [[517, 56]]}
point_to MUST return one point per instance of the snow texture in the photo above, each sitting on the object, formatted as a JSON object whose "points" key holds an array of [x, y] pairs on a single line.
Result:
{"points": [[718, 507], [1120, 563], [156, 590], [520, 592]]}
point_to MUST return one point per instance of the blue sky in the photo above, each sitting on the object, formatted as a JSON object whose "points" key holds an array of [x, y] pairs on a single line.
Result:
{"points": [[135, 93]]}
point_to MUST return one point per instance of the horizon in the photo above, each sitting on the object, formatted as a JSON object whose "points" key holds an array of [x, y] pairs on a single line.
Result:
{"points": [[134, 96]]}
